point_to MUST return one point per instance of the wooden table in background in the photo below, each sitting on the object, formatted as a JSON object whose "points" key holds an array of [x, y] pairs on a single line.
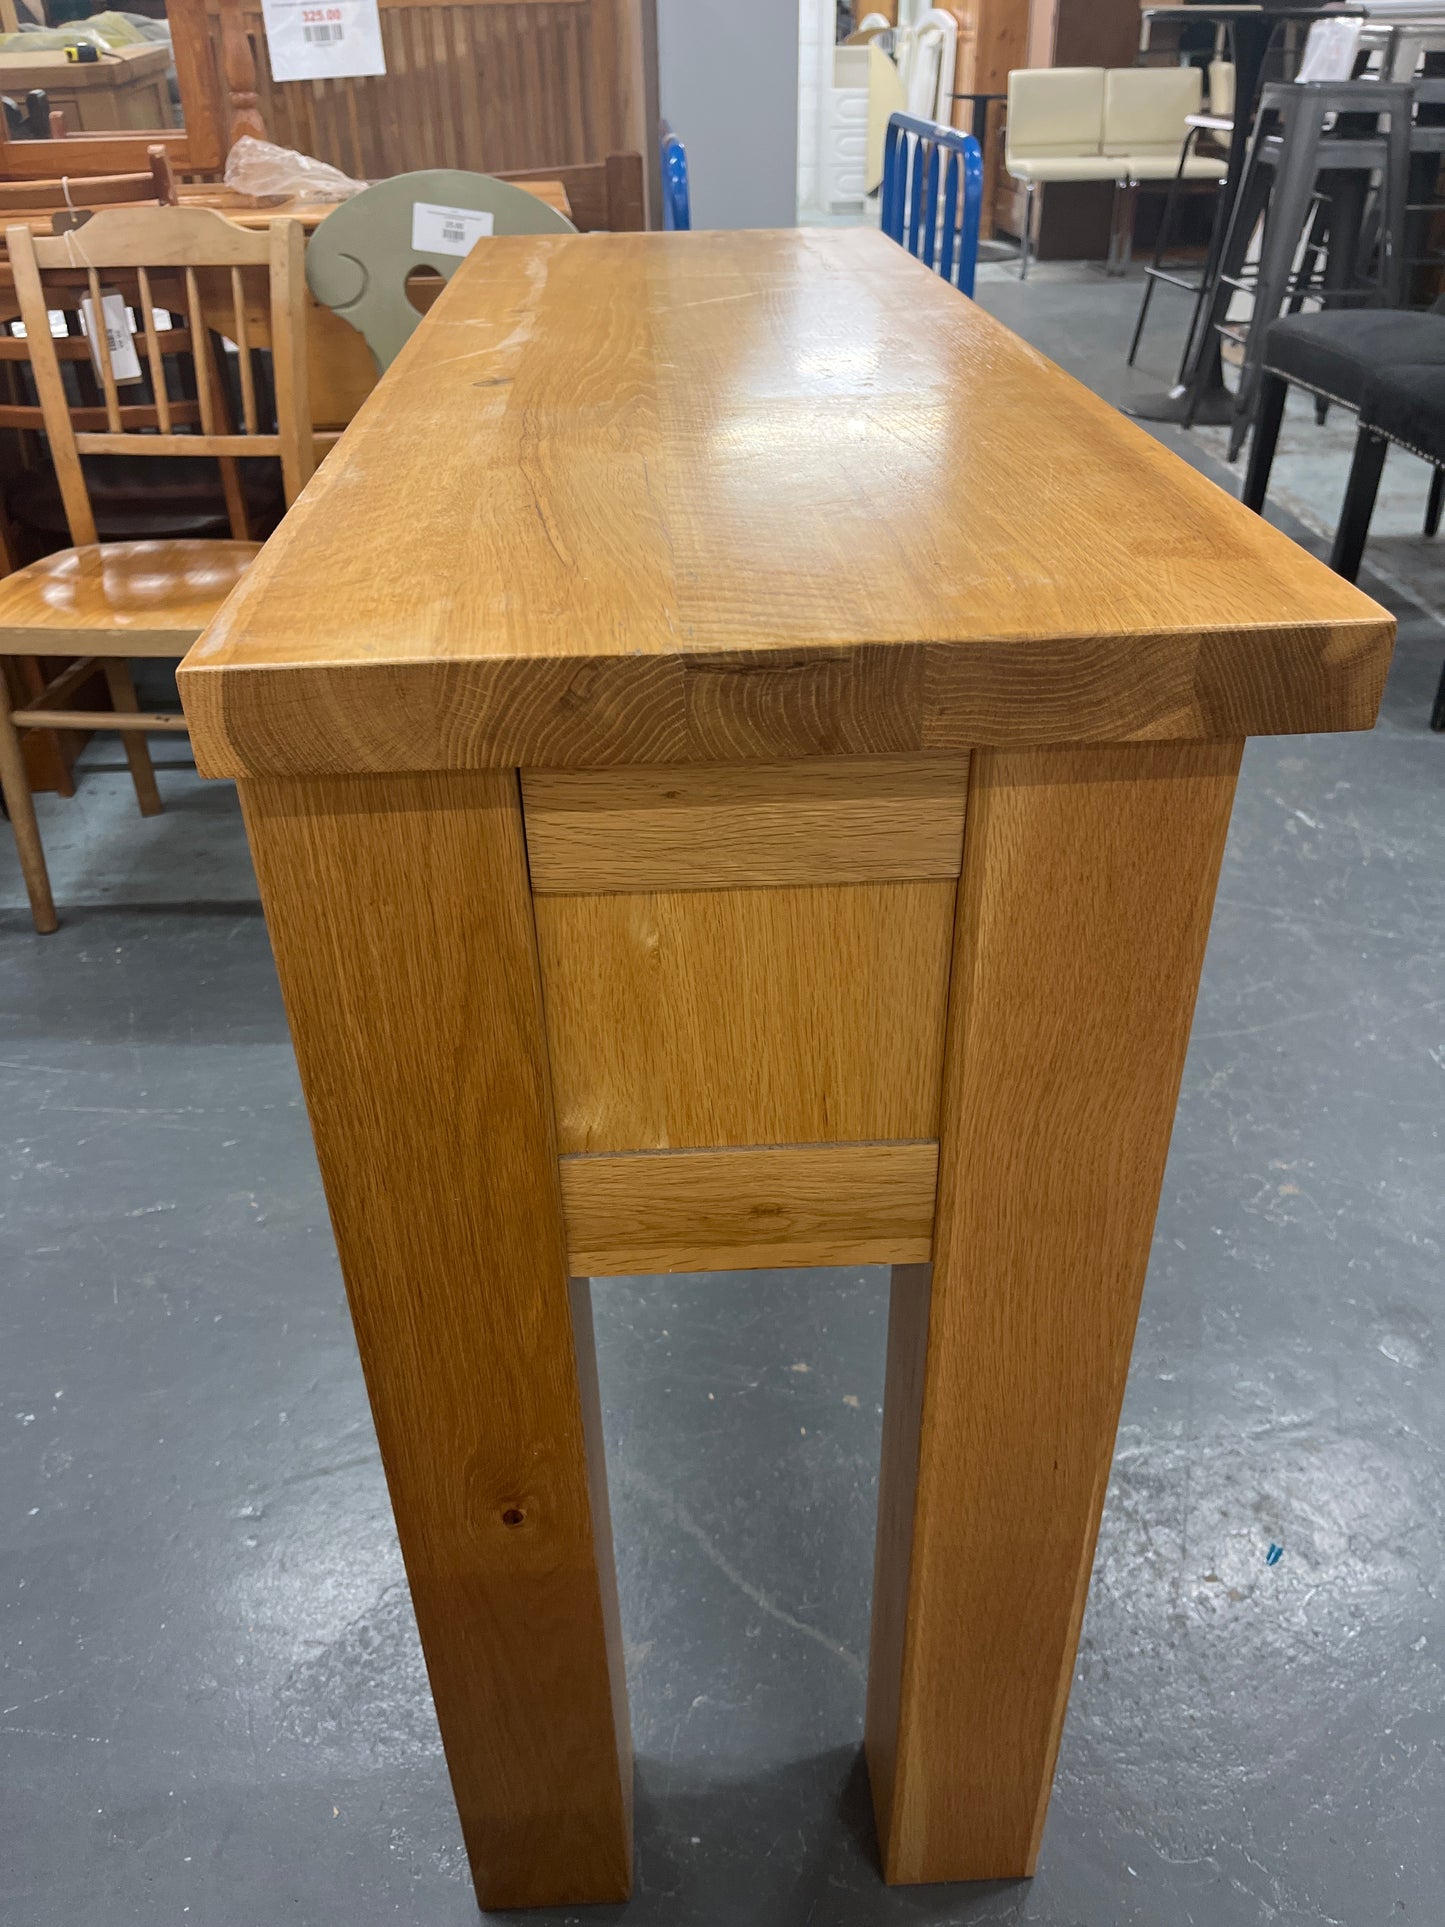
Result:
{"points": [[737, 750]]}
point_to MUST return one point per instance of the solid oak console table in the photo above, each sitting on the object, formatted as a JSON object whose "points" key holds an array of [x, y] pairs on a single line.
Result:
{"points": [[737, 750]]}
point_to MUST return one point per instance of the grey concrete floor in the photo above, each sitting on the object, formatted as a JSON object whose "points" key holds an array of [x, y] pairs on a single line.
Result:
{"points": [[212, 1704]]}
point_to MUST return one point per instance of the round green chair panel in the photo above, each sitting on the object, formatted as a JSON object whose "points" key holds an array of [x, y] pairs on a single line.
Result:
{"points": [[358, 260]]}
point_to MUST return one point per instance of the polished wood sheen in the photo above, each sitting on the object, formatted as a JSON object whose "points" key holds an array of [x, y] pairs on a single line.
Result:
{"points": [[156, 596], [853, 820], [736, 1017], [685, 447], [738, 750], [815, 1204], [456, 1270], [1083, 910]]}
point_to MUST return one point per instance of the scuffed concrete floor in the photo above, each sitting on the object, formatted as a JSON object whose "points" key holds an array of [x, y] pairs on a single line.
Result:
{"points": [[212, 1705]]}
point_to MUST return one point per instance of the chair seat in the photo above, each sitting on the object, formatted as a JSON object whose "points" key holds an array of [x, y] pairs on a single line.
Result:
{"points": [[1408, 405], [1114, 167], [1336, 351], [1065, 167], [119, 598]]}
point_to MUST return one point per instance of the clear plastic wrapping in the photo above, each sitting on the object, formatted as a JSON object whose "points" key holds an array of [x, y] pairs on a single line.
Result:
{"points": [[261, 168]]}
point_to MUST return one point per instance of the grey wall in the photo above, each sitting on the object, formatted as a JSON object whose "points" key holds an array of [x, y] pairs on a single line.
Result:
{"points": [[728, 83]]}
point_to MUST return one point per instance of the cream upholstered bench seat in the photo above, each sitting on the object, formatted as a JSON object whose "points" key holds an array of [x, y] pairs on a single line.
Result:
{"points": [[1064, 167], [1121, 124]]}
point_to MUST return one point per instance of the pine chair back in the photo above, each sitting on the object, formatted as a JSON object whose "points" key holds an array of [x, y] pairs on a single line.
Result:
{"points": [[186, 261]]}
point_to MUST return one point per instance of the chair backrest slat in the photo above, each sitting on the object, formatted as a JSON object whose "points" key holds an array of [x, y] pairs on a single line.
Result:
{"points": [[154, 360], [100, 339], [201, 354], [143, 248], [243, 352]]}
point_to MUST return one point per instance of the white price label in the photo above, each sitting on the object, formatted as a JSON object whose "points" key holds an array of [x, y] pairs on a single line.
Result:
{"points": [[1330, 50], [124, 361], [447, 230], [323, 39]]}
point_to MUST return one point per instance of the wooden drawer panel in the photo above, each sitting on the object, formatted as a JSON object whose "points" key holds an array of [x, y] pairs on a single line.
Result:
{"points": [[746, 1017]]}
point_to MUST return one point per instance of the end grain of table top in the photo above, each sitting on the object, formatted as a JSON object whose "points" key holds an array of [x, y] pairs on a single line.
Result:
{"points": [[750, 496]]}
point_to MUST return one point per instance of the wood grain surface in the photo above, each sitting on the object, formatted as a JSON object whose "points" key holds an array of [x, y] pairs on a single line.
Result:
{"points": [[698, 1019], [415, 1010], [854, 820], [1083, 910], [750, 497], [814, 1204]]}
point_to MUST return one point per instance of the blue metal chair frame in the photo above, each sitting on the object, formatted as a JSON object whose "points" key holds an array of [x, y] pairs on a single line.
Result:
{"points": [[676, 201], [911, 198]]}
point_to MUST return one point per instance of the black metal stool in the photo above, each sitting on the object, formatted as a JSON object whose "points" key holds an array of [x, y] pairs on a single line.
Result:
{"points": [[1311, 182], [1198, 125]]}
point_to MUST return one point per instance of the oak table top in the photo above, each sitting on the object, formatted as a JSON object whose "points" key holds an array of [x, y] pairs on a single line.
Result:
{"points": [[744, 496]]}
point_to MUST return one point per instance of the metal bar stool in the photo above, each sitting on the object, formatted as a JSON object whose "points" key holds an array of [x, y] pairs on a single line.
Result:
{"points": [[1309, 143], [1159, 269]]}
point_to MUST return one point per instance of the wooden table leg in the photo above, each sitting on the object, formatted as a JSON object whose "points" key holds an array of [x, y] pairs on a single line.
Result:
{"points": [[1083, 909], [399, 911]]}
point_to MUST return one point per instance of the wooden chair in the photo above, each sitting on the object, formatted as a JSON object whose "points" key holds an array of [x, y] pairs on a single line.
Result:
{"points": [[107, 603]]}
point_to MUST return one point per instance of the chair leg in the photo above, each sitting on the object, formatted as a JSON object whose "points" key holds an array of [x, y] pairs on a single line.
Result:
{"points": [[1364, 484], [137, 750], [1268, 415], [1286, 221], [1437, 714], [15, 785], [1029, 191], [1316, 253], [1214, 300], [1121, 228], [1162, 238], [1436, 501], [1147, 297]]}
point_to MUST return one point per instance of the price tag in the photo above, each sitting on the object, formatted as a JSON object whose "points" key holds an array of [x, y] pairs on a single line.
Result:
{"points": [[124, 361], [323, 39], [447, 230], [1330, 50]]}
